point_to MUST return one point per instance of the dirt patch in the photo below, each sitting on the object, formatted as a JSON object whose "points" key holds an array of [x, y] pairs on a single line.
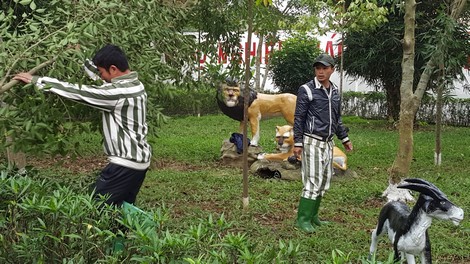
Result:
{"points": [[79, 165], [87, 164], [163, 164], [375, 202]]}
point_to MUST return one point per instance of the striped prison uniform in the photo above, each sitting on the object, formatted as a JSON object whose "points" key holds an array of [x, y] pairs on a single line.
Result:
{"points": [[123, 106], [317, 167]]}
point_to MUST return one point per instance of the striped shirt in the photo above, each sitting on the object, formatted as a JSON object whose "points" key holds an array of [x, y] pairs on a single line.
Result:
{"points": [[123, 104]]}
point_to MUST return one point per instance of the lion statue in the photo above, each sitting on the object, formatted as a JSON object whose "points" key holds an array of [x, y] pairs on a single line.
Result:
{"points": [[285, 145], [260, 106]]}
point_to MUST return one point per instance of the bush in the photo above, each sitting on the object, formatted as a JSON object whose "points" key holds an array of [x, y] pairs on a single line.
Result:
{"points": [[41, 221], [189, 101], [292, 66], [44, 222]]}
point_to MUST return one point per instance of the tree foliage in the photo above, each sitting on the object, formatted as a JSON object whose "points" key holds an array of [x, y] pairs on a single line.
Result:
{"points": [[292, 66], [411, 94], [221, 28], [341, 15], [366, 48], [63, 34]]}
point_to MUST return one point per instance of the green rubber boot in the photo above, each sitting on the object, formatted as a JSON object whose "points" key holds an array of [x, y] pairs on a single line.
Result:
{"points": [[304, 215], [315, 220], [143, 218], [118, 244]]}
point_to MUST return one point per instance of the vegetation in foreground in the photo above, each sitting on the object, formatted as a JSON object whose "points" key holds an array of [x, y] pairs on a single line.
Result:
{"points": [[197, 202]]}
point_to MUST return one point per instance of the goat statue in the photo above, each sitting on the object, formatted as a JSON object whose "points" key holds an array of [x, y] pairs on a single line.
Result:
{"points": [[408, 230]]}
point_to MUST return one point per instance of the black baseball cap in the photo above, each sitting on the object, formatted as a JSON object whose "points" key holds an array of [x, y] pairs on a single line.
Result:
{"points": [[324, 59]]}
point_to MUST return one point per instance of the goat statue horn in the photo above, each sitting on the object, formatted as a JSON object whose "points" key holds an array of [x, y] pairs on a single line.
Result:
{"points": [[422, 188], [421, 181]]}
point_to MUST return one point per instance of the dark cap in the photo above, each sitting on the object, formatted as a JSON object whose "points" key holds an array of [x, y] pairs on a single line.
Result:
{"points": [[324, 59]]}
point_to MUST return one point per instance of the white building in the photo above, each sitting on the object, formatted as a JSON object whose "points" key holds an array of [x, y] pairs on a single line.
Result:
{"points": [[328, 43]]}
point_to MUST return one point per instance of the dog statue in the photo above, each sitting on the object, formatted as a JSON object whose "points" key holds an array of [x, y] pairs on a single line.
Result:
{"points": [[260, 106], [285, 145]]}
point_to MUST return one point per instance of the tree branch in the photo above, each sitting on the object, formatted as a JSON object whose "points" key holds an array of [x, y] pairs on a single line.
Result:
{"points": [[11, 83], [10, 68], [457, 7]]}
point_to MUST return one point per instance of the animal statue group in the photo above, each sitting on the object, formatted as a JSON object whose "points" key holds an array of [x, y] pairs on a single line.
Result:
{"points": [[407, 229], [230, 99]]}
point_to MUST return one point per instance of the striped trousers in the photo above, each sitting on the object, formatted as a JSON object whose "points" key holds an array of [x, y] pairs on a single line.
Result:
{"points": [[317, 167]]}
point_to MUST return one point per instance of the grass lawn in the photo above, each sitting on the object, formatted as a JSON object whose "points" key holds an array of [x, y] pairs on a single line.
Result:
{"points": [[187, 179]]}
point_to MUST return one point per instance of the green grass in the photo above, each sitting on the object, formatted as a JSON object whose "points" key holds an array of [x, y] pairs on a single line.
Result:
{"points": [[188, 179]]}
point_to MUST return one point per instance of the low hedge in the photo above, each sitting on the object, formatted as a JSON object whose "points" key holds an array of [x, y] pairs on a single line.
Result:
{"points": [[370, 105]]}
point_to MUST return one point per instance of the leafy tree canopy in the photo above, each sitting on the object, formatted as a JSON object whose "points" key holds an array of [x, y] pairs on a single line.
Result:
{"points": [[62, 34]]}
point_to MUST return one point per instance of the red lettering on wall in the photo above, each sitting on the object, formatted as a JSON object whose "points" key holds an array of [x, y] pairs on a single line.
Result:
{"points": [[222, 56], [253, 48], [340, 49], [267, 51], [202, 57]]}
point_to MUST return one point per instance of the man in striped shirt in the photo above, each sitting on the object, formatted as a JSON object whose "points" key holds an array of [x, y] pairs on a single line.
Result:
{"points": [[123, 101]]}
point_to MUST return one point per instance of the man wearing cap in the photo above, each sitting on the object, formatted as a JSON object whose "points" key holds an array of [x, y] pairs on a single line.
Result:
{"points": [[317, 120]]}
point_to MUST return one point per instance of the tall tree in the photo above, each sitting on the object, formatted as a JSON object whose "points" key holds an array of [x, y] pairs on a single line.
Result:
{"points": [[364, 47], [219, 31], [411, 95]]}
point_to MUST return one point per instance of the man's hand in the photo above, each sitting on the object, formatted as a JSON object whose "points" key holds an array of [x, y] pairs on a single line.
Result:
{"points": [[24, 77], [297, 152], [348, 146]]}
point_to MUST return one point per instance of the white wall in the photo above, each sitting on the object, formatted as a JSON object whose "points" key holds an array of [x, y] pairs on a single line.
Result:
{"points": [[329, 44]]}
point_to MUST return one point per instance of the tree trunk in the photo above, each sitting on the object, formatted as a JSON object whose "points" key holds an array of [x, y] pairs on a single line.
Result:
{"points": [[258, 62], [410, 101], [401, 165], [245, 197], [440, 89], [268, 65], [341, 68], [392, 93], [15, 159]]}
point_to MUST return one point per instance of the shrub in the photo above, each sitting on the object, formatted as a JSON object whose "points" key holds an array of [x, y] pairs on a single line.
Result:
{"points": [[292, 66], [44, 222], [189, 101], [41, 221]]}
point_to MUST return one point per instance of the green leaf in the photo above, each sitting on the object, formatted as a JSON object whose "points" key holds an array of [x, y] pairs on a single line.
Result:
{"points": [[33, 27], [32, 5], [43, 225], [28, 125], [73, 236], [25, 2]]}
